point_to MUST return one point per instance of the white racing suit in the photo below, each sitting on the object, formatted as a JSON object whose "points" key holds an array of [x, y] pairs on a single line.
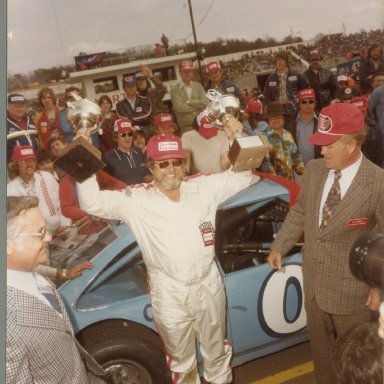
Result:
{"points": [[177, 243]]}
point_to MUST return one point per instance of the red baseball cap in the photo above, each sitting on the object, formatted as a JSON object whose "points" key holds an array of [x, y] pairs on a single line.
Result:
{"points": [[360, 102], [254, 106], [186, 65], [163, 119], [213, 67], [122, 125], [164, 147], [307, 93], [335, 121], [206, 129], [23, 152]]}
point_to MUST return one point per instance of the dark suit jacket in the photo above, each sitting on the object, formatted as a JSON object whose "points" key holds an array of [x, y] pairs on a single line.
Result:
{"points": [[40, 345], [326, 252]]}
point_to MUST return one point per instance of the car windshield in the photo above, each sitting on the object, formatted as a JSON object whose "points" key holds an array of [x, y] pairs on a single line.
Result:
{"points": [[80, 242]]}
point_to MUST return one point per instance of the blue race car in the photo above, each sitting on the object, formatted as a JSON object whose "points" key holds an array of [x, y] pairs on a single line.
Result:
{"points": [[110, 307]]}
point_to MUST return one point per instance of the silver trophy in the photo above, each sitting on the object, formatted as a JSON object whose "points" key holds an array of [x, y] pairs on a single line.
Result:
{"points": [[245, 153], [80, 159], [83, 115], [220, 107]]}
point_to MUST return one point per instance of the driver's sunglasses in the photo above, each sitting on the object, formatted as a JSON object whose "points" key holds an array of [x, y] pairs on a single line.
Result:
{"points": [[307, 101], [125, 134], [165, 164], [40, 234]]}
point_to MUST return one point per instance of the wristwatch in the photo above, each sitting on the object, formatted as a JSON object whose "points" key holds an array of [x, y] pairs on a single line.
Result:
{"points": [[61, 274]]}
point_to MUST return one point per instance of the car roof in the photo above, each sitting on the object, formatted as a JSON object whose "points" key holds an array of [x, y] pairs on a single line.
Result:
{"points": [[262, 189]]}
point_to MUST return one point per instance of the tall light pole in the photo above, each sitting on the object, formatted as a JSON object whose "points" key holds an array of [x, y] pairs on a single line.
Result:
{"points": [[195, 41]]}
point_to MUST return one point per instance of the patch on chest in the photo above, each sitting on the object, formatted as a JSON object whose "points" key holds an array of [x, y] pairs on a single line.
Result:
{"points": [[207, 233]]}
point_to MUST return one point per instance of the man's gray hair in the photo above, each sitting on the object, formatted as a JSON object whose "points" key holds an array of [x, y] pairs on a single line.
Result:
{"points": [[15, 206]]}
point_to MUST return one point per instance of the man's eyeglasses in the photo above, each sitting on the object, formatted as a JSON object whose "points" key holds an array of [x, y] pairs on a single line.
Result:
{"points": [[165, 164], [28, 161], [40, 234], [125, 134], [307, 101]]}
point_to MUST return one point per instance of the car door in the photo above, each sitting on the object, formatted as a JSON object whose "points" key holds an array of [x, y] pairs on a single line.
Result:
{"points": [[265, 307]]}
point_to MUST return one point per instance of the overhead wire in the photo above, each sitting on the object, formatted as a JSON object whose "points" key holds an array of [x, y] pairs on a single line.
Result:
{"points": [[58, 29], [177, 19], [202, 20]]}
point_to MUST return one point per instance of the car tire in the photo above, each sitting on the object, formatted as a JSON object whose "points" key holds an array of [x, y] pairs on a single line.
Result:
{"points": [[129, 352]]}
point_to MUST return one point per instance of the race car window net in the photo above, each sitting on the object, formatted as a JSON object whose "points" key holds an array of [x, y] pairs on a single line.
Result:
{"points": [[244, 234]]}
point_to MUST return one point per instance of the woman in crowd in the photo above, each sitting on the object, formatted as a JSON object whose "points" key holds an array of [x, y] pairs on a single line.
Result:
{"points": [[47, 121], [108, 118], [140, 140]]}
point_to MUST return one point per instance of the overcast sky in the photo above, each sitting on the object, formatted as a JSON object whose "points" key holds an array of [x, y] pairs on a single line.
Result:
{"points": [[45, 33]]}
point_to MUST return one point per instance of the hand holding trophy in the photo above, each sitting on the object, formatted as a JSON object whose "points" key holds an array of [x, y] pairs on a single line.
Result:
{"points": [[81, 159], [245, 152]]}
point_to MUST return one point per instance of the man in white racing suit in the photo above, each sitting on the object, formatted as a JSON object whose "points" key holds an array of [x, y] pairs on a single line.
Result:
{"points": [[173, 220]]}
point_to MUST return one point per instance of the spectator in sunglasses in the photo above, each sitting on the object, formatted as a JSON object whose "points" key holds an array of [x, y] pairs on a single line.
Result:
{"points": [[126, 162], [321, 80], [305, 125]]}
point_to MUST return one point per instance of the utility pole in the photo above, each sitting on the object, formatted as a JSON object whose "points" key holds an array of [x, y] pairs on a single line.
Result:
{"points": [[195, 41], [344, 29]]}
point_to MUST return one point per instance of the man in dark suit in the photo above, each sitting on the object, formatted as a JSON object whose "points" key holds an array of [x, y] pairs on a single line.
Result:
{"points": [[40, 343], [334, 299]]}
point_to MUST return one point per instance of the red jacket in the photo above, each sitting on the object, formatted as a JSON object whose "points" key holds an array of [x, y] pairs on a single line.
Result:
{"points": [[68, 193], [44, 128]]}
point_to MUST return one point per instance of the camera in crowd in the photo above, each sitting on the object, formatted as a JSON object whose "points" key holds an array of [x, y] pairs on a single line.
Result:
{"points": [[366, 259]]}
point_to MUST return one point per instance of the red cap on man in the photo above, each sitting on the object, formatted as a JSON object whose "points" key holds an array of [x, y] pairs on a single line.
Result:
{"points": [[186, 66], [23, 152], [206, 129], [254, 106], [307, 93], [122, 125], [164, 147], [213, 67], [163, 119], [335, 121]]}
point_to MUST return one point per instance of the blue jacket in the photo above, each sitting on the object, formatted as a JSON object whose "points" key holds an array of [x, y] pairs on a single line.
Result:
{"points": [[295, 83], [227, 87], [18, 136]]}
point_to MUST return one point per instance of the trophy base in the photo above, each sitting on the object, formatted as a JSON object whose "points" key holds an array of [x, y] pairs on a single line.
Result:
{"points": [[80, 160], [247, 153]]}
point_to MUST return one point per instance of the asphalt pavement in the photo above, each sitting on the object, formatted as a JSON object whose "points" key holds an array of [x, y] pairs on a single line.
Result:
{"points": [[291, 366]]}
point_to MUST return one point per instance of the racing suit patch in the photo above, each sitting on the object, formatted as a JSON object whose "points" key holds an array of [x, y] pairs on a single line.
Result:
{"points": [[128, 192], [207, 233]]}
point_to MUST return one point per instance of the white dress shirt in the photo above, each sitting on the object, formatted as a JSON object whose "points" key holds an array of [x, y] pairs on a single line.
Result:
{"points": [[347, 176]]}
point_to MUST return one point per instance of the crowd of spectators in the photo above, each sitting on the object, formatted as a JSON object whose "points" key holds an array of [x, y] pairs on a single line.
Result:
{"points": [[126, 130], [284, 116], [339, 47]]}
